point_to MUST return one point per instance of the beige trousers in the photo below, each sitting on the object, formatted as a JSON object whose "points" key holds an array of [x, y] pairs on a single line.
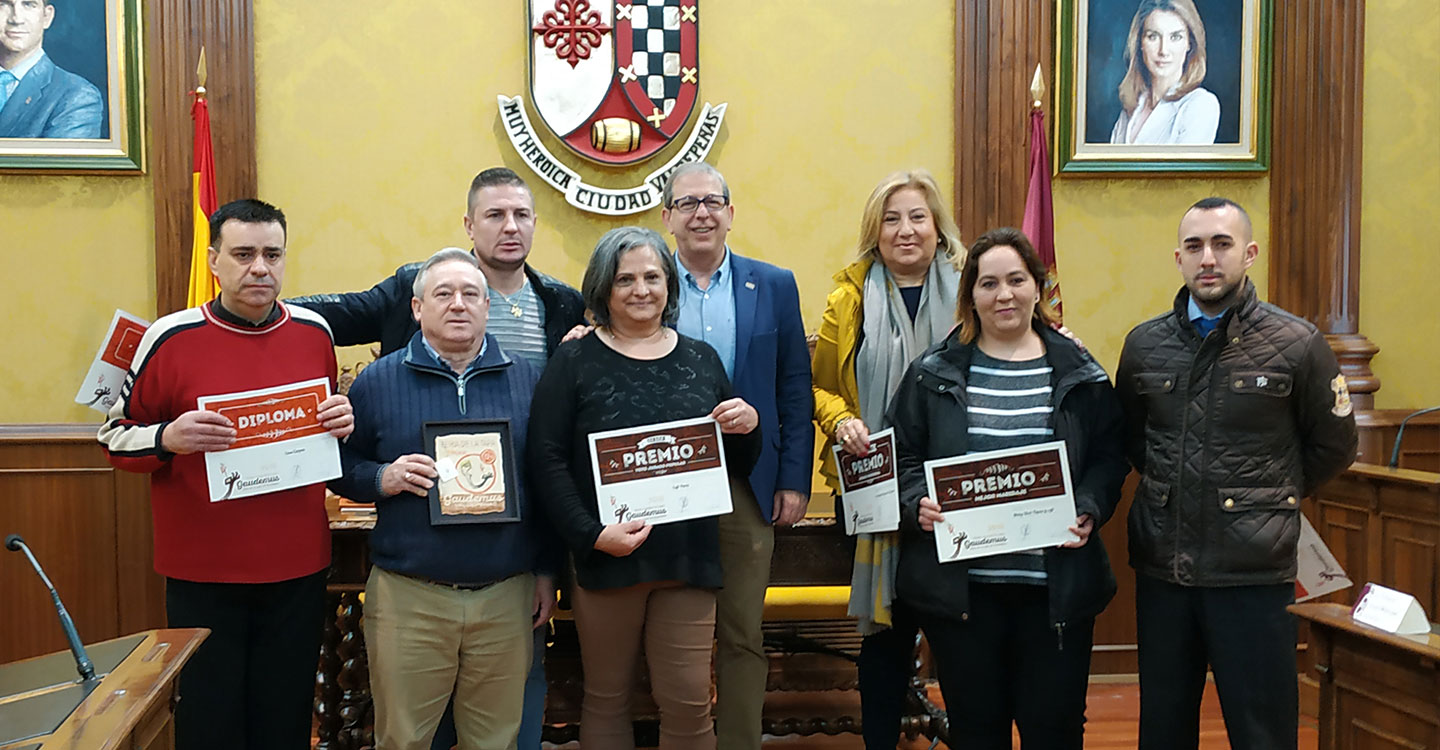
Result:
{"points": [[746, 543], [676, 625], [426, 641]]}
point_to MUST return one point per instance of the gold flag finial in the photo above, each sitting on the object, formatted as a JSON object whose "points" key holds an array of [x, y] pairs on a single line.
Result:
{"points": [[200, 72], [1037, 88]]}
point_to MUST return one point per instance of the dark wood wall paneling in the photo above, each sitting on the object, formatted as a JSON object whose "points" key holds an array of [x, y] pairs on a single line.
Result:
{"points": [[1319, 54], [88, 525], [998, 43], [176, 29]]}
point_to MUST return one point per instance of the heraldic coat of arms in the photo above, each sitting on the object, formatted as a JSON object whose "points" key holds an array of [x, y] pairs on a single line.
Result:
{"points": [[616, 81]]}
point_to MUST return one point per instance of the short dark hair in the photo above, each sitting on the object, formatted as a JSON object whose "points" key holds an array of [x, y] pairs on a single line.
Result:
{"points": [[605, 261], [965, 315], [490, 178], [245, 211], [1216, 202]]}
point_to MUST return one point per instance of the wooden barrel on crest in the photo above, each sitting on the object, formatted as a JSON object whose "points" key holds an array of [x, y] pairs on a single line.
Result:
{"points": [[615, 135]]}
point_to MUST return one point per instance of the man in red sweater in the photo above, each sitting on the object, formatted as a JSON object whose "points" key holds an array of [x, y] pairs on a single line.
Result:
{"points": [[252, 570]]}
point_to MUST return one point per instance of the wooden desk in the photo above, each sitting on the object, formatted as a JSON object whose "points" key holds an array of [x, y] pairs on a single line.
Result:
{"points": [[130, 706], [1384, 526], [1377, 690]]}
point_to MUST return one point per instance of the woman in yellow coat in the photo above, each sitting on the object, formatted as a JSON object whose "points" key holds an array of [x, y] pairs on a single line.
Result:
{"points": [[881, 316]]}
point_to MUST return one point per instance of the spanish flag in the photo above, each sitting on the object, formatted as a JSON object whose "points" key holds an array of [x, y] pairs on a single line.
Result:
{"points": [[203, 203]]}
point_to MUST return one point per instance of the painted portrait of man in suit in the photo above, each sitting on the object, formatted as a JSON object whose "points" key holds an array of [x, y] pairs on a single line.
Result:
{"points": [[38, 97]]}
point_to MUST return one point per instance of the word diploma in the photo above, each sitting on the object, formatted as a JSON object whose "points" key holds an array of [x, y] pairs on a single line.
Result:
{"points": [[660, 473], [869, 490], [1002, 501], [279, 443]]}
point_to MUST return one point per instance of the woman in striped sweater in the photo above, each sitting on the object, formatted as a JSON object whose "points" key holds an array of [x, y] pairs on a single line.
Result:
{"points": [[1010, 633]]}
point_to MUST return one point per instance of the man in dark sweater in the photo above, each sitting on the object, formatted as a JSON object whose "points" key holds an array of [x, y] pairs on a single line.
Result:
{"points": [[448, 607], [533, 312]]}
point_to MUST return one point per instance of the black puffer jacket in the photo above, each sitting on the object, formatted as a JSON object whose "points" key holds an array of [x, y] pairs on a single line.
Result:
{"points": [[1228, 433], [930, 420], [382, 313]]}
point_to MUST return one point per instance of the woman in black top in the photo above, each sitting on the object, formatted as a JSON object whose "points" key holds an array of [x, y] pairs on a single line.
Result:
{"points": [[1010, 633], [634, 580]]}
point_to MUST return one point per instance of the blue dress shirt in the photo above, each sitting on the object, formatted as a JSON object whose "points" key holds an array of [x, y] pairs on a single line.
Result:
{"points": [[1203, 323], [9, 83], [709, 314]]}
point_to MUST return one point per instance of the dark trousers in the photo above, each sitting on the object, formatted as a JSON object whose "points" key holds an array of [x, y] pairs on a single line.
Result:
{"points": [[1245, 636], [251, 684], [886, 664], [1006, 663]]}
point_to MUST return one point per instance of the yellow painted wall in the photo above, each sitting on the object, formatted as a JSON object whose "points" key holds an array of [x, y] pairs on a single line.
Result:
{"points": [[1116, 240], [1400, 194], [370, 146], [75, 249], [372, 124]]}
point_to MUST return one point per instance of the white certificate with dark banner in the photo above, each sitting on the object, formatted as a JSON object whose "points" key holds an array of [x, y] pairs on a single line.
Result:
{"points": [[279, 443], [660, 473], [869, 489], [1002, 501]]}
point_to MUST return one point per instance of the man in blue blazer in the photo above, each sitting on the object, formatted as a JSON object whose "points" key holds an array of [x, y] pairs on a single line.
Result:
{"points": [[749, 312], [37, 98]]}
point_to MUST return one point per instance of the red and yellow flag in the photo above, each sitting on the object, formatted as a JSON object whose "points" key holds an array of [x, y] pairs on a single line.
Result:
{"points": [[203, 287], [1039, 223]]}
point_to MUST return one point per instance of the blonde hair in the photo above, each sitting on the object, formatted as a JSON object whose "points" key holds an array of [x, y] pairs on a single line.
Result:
{"points": [[874, 214], [1137, 76]]}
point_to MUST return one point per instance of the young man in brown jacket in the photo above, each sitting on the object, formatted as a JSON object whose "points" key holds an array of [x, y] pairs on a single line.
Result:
{"points": [[1235, 410]]}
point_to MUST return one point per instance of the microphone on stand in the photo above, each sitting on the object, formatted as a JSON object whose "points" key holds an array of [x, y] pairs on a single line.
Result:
{"points": [[1400, 434], [82, 660]]}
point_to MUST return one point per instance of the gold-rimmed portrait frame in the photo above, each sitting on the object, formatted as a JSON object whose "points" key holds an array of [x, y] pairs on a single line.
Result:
{"points": [[102, 42], [1092, 38]]}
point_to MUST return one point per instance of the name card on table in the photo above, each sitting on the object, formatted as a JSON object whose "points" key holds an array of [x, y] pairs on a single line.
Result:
{"points": [[1390, 610]]}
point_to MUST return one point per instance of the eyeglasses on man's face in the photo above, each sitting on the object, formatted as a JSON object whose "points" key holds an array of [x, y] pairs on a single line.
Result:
{"points": [[688, 204]]}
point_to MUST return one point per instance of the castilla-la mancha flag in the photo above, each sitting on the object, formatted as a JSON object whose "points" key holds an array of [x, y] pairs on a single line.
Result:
{"points": [[1039, 223], [203, 203]]}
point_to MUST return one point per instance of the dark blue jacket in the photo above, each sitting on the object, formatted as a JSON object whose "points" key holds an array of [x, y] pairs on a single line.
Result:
{"points": [[393, 399], [52, 102], [772, 373]]}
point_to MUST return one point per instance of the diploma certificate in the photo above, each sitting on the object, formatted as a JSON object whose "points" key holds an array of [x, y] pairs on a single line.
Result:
{"points": [[279, 443], [869, 490], [660, 473], [1002, 501], [102, 382]]}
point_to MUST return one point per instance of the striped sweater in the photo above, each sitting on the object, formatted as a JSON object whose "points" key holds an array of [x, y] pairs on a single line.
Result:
{"points": [[1009, 406]]}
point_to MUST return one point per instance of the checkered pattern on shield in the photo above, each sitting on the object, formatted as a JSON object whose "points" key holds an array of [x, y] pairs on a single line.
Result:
{"points": [[655, 35]]}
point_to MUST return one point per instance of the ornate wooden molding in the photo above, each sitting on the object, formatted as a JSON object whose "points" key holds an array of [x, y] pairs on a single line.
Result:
{"points": [[175, 31], [998, 43], [1319, 53]]}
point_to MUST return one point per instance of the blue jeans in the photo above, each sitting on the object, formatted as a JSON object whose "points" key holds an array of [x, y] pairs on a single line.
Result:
{"points": [[531, 721]]}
